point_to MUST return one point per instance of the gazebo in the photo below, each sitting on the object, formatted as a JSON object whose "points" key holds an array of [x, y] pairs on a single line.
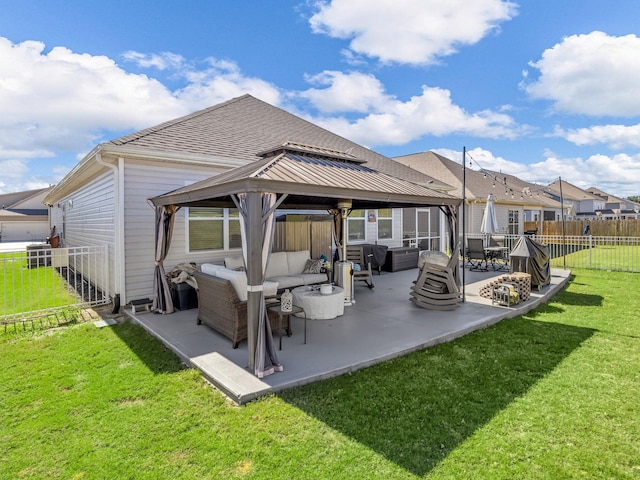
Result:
{"points": [[289, 176]]}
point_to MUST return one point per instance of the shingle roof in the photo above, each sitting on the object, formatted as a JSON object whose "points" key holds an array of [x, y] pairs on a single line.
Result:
{"points": [[245, 126], [572, 192], [505, 188], [9, 200]]}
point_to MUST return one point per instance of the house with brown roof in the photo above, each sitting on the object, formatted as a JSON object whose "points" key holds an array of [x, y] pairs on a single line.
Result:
{"points": [[23, 216], [516, 201], [582, 203], [616, 207], [104, 199]]}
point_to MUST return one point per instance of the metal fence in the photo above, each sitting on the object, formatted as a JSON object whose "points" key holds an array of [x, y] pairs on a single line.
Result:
{"points": [[44, 281], [593, 252]]}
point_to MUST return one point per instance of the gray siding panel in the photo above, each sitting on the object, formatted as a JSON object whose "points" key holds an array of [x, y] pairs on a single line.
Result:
{"points": [[143, 181]]}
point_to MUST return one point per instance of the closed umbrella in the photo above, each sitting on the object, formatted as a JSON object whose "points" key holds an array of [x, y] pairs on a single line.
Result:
{"points": [[489, 224]]}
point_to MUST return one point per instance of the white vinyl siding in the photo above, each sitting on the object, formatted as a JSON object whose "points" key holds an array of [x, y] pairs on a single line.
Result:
{"points": [[143, 181], [89, 219]]}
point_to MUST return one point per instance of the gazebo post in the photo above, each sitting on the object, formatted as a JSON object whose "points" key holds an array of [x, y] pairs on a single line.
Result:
{"points": [[254, 270]]}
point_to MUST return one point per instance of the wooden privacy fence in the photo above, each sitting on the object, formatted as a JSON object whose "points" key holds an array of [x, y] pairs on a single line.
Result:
{"points": [[599, 228]]}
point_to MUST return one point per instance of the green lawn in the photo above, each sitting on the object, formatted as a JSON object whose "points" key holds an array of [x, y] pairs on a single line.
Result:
{"points": [[553, 394], [602, 257], [24, 289]]}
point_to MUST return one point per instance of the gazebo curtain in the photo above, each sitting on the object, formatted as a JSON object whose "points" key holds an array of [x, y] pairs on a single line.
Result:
{"points": [[165, 216], [266, 358]]}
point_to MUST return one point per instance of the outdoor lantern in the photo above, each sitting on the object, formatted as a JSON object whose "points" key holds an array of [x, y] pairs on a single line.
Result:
{"points": [[286, 301]]}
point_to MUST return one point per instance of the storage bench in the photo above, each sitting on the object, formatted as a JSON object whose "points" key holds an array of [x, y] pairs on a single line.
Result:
{"points": [[401, 258]]}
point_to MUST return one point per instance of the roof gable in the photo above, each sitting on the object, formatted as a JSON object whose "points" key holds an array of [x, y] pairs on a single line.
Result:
{"points": [[246, 126]]}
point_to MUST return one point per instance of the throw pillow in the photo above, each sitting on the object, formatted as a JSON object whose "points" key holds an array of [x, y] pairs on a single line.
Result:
{"points": [[313, 266]]}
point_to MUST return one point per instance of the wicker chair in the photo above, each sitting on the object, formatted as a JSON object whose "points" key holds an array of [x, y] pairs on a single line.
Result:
{"points": [[220, 308]]}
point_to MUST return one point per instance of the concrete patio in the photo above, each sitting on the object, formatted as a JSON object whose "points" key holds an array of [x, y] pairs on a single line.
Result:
{"points": [[382, 324]]}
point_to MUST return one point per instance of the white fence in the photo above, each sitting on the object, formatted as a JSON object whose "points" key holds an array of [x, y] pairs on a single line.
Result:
{"points": [[598, 253], [42, 281]]}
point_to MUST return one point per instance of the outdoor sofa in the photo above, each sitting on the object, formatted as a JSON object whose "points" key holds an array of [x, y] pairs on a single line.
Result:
{"points": [[288, 269], [222, 290], [220, 307]]}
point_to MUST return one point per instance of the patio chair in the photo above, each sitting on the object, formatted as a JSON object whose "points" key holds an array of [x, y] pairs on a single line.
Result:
{"points": [[476, 256], [436, 287], [356, 255]]}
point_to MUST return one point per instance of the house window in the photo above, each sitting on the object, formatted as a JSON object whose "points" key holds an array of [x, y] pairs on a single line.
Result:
{"points": [[514, 222], [356, 225], [385, 223], [212, 228]]}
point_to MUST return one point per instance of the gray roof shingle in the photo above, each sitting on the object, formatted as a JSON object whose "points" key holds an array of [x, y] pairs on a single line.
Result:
{"points": [[245, 126]]}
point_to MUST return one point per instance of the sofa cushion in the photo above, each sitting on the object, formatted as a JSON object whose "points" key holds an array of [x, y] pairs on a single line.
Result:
{"points": [[210, 268], [297, 261], [287, 281], [234, 263], [313, 266], [237, 279], [270, 288], [313, 278], [278, 265]]}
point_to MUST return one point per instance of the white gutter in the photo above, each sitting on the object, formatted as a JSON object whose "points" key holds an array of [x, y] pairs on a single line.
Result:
{"points": [[118, 261]]}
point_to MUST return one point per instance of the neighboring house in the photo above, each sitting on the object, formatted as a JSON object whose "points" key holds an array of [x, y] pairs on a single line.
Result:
{"points": [[103, 200], [23, 216], [516, 201], [618, 207], [583, 204]]}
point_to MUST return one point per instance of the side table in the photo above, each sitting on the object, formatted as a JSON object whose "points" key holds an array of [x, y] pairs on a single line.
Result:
{"points": [[276, 308]]}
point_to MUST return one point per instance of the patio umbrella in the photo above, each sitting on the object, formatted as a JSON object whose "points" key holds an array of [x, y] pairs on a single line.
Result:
{"points": [[489, 220]]}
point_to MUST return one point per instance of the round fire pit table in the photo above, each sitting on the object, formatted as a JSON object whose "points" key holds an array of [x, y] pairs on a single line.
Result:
{"points": [[318, 306]]}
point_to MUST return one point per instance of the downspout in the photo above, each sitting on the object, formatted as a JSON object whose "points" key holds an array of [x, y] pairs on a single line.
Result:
{"points": [[118, 185]]}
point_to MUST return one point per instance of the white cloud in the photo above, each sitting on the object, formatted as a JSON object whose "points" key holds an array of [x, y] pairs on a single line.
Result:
{"points": [[389, 121], [481, 159], [220, 81], [346, 92], [412, 31], [592, 74], [161, 61], [615, 136], [64, 101], [617, 175], [61, 99]]}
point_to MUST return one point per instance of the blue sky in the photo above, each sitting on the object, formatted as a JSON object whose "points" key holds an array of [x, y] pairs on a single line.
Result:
{"points": [[540, 89]]}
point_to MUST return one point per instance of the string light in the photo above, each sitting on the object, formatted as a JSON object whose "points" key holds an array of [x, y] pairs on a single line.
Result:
{"points": [[508, 190]]}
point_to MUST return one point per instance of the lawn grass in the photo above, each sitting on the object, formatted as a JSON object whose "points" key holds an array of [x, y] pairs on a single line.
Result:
{"points": [[602, 257], [24, 289], [553, 394]]}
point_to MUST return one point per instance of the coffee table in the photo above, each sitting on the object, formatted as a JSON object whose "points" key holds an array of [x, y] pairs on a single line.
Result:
{"points": [[318, 306]]}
